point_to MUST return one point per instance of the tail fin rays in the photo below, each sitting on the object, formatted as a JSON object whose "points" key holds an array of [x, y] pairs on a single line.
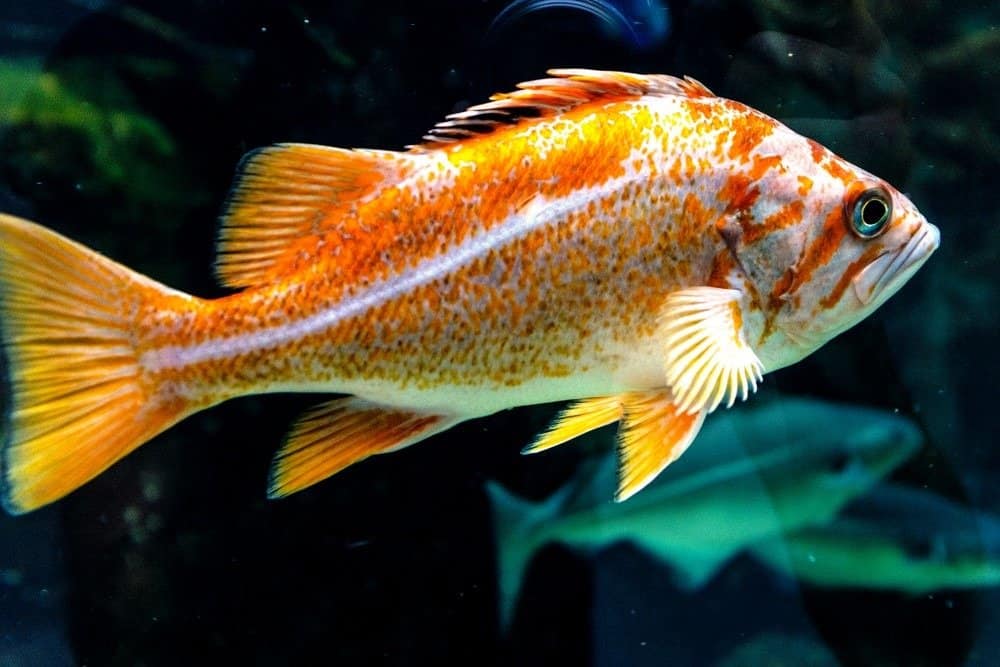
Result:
{"points": [[77, 400]]}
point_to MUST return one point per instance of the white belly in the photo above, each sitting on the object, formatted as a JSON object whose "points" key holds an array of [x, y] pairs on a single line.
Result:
{"points": [[634, 368]]}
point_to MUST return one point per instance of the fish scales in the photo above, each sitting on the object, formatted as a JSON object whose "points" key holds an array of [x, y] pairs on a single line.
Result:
{"points": [[566, 254], [632, 241]]}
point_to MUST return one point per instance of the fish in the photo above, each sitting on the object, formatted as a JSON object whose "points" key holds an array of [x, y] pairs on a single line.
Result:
{"points": [[758, 473], [897, 538], [633, 243], [764, 648]]}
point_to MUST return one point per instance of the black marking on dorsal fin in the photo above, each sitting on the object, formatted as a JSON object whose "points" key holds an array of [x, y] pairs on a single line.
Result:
{"points": [[565, 89]]}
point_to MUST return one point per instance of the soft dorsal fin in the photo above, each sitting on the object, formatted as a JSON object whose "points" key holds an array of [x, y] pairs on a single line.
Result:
{"points": [[288, 192], [542, 98]]}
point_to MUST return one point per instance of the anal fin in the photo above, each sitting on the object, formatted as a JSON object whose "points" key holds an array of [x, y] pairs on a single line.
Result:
{"points": [[339, 433], [579, 418], [654, 433]]}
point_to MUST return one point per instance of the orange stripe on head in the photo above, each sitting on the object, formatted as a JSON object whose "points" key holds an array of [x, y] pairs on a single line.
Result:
{"points": [[836, 168], [722, 265], [788, 215], [832, 164], [781, 287], [740, 191], [822, 248], [853, 269], [817, 254]]}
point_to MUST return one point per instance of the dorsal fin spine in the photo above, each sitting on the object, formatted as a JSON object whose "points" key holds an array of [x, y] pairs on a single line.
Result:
{"points": [[564, 90]]}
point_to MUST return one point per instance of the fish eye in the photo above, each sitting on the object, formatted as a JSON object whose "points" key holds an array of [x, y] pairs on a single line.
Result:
{"points": [[872, 210]]}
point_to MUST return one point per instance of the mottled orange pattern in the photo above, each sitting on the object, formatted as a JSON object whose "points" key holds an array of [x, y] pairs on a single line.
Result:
{"points": [[544, 304], [525, 251]]}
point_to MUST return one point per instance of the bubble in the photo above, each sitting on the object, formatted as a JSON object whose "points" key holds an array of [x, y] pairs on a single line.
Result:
{"points": [[644, 24]]}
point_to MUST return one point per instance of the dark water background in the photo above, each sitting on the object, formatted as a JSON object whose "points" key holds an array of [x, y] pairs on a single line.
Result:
{"points": [[120, 126]]}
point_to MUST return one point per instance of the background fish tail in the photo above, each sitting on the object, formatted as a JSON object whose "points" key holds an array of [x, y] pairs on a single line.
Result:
{"points": [[77, 398], [518, 524]]}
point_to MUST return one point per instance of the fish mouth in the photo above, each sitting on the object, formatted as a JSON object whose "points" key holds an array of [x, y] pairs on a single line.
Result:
{"points": [[890, 270]]}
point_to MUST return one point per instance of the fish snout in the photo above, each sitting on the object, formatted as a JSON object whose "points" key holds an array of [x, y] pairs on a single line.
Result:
{"points": [[890, 270]]}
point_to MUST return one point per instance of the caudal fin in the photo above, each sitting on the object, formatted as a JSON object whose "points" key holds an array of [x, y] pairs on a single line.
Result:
{"points": [[76, 398], [518, 531]]}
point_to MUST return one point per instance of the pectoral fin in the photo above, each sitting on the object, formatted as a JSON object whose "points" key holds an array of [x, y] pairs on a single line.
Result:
{"points": [[654, 433], [708, 359], [341, 432]]}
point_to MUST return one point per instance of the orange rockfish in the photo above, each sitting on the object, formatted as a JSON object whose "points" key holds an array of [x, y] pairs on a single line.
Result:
{"points": [[631, 241]]}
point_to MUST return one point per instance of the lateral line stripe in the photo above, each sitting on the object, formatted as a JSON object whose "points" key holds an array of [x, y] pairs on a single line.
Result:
{"points": [[517, 225]]}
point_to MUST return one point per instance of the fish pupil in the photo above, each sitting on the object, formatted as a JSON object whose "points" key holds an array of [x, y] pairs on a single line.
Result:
{"points": [[873, 212]]}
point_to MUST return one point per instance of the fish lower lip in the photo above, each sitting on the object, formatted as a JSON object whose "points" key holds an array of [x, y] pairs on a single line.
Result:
{"points": [[865, 282], [887, 273]]}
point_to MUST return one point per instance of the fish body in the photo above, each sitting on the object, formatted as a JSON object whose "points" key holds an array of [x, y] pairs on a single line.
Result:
{"points": [[756, 475], [634, 241], [897, 539], [496, 273]]}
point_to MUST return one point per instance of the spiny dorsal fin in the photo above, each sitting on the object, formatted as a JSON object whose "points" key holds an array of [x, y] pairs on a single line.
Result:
{"points": [[542, 98], [289, 192]]}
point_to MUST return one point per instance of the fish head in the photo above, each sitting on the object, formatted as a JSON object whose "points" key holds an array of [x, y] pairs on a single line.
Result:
{"points": [[867, 446], [914, 540], [822, 242], [829, 454]]}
